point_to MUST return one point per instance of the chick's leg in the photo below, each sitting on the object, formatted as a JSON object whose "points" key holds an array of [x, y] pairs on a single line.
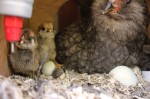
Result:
{"points": [[57, 65], [58, 70]]}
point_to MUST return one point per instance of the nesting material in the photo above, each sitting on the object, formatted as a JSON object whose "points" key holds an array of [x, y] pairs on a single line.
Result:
{"points": [[9, 91], [78, 86]]}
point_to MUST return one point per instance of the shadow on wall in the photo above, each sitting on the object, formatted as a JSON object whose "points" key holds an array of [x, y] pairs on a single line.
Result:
{"points": [[68, 14]]}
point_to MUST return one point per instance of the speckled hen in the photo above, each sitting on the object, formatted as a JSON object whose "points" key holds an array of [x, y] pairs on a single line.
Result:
{"points": [[112, 36]]}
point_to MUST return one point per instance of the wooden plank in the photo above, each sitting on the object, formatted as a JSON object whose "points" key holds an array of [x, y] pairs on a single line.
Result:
{"points": [[4, 68], [45, 10]]}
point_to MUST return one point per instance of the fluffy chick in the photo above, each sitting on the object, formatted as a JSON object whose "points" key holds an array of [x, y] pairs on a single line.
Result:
{"points": [[25, 59], [46, 41], [47, 44], [113, 35]]}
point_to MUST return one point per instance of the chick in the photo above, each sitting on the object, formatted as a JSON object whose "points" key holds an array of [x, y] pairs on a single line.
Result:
{"points": [[25, 59], [47, 44]]}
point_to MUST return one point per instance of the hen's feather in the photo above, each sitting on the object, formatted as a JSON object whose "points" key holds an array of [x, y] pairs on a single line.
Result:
{"points": [[104, 41]]}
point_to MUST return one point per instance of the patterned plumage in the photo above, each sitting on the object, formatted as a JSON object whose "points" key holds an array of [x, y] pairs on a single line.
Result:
{"points": [[113, 35], [144, 62]]}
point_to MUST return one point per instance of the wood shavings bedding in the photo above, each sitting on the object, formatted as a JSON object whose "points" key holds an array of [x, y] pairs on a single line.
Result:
{"points": [[73, 86]]}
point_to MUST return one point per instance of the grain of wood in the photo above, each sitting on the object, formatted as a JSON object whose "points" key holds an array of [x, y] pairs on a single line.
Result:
{"points": [[44, 10], [4, 68]]}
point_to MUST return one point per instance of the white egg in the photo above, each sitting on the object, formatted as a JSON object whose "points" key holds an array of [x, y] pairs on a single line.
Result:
{"points": [[124, 75], [48, 68]]}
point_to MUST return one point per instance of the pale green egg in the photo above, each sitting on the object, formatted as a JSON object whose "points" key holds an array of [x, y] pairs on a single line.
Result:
{"points": [[48, 68]]}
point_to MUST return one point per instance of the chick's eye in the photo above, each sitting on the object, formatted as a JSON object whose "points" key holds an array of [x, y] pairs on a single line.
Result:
{"points": [[42, 28], [30, 38]]}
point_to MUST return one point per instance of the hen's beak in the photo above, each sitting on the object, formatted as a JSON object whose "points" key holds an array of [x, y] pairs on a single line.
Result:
{"points": [[127, 1], [108, 7]]}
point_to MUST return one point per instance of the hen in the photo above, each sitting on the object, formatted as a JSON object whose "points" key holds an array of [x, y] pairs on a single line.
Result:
{"points": [[25, 59], [112, 36]]}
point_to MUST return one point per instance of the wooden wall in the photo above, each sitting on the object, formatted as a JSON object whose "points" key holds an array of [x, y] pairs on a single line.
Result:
{"points": [[4, 69], [44, 10]]}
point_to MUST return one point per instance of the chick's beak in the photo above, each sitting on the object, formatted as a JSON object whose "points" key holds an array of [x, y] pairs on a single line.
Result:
{"points": [[108, 7]]}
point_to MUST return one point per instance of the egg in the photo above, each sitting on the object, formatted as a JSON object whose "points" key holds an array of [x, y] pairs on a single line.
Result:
{"points": [[48, 68], [124, 75]]}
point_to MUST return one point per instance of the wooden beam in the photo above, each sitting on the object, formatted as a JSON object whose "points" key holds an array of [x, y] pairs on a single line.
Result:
{"points": [[4, 68]]}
